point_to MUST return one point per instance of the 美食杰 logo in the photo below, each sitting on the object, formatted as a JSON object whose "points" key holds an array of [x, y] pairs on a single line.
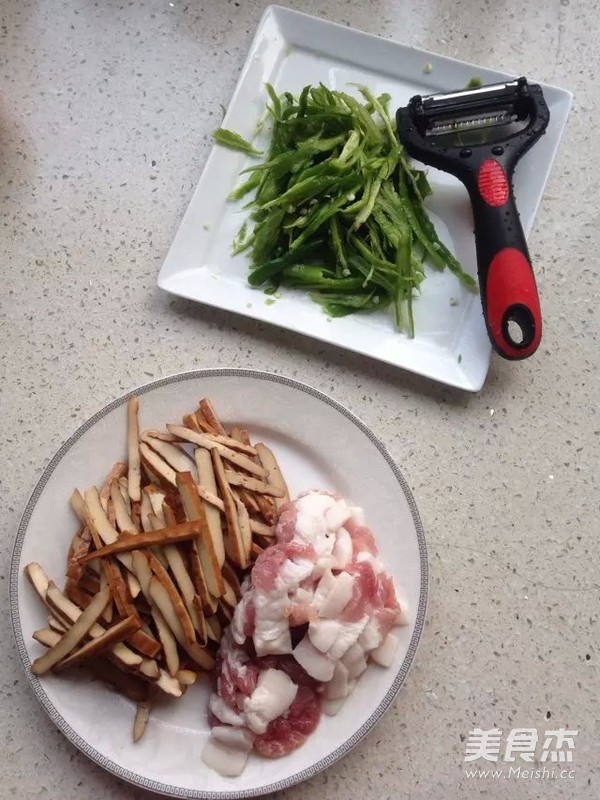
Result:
{"points": [[527, 753]]}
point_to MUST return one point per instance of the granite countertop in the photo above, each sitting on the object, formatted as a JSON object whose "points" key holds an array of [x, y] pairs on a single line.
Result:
{"points": [[105, 124]]}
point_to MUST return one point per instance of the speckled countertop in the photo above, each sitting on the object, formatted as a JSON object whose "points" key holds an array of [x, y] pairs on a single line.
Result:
{"points": [[105, 123]]}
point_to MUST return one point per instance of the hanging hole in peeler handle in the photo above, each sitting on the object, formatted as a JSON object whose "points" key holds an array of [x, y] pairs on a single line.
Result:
{"points": [[518, 326]]}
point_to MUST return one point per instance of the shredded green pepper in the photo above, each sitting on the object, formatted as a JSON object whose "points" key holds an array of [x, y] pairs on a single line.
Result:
{"points": [[234, 141], [338, 210]]}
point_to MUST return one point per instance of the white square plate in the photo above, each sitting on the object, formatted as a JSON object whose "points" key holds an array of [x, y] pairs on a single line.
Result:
{"points": [[289, 50]]}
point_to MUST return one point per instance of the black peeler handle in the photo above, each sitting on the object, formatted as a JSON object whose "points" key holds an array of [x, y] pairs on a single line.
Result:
{"points": [[509, 296]]}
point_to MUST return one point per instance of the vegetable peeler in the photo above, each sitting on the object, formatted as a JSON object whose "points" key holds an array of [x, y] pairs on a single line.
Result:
{"points": [[478, 135]]}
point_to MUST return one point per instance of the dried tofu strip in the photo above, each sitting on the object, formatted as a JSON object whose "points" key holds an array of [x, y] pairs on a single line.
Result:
{"points": [[99, 525], [249, 500], [157, 498], [89, 583], [56, 625], [194, 510], [182, 532], [234, 543], [124, 489], [212, 499], [162, 435], [215, 629], [260, 528], [202, 422], [47, 637], [207, 480], [183, 580], [233, 444], [75, 634], [141, 641], [158, 466], [229, 597], [187, 677], [231, 578], [142, 715], [274, 476], [134, 472], [78, 595], [122, 513], [70, 613], [100, 644], [127, 684], [107, 616], [237, 479], [204, 600], [186, 588], [256, 550], [161, 597], [146, 510], [150, 474], [76, 502], [206, 407], [80, 546], [117, 471], [202, 440], [190, 421], [266, 505], [174, 456], [165, 635], [169, 684], [103, 531], [150, 508], [175, 598], [244, 524]]}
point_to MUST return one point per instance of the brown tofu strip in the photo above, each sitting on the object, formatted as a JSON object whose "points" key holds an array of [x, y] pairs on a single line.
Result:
{"points": [[68, 612], [265, 504], [253, 485], [261, 529], [206, 407], [208, 482], [134, 472], [161, 597], [234, 544], [202, 440], [194, 510], [172, 454], [73, 636], [232, 579], [175, 598], [118, 470], [274, 475], [124, 682], [165, 635], [122, 515], [98, 646], [157, 465], [182, 532]]}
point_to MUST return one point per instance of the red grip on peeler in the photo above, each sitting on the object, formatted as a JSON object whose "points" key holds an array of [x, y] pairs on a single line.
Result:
{"points": [[492, 183], [511, 294]]}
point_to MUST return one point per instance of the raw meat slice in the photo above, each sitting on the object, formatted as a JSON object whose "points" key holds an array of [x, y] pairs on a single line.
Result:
{"points": [[287, 733], [289, 665], [301, 613], [364, 591], [362, 537], [274, 694], [386, 593], [285, 528], [266, 568]]}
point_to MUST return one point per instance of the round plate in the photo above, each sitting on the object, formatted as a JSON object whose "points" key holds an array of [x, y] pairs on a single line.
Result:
{"points": [[319, 444]]}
